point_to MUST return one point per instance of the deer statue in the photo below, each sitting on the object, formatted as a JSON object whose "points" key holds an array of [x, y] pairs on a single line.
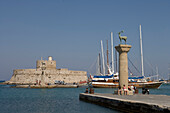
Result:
{"points": [[122, 37]]}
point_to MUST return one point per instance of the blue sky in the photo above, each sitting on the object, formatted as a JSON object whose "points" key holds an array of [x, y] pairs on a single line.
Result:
{"points": [[70, 31]]}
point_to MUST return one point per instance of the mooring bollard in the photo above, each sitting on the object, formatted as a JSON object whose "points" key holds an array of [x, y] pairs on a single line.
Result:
{"points": [[136, 91], [91, 91]]}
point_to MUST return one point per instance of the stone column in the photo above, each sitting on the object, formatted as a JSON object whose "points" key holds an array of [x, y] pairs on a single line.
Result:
{"points": [[123, 64]]}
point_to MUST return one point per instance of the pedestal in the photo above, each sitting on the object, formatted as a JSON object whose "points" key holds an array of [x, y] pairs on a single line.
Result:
{"points": [[123, 64]]}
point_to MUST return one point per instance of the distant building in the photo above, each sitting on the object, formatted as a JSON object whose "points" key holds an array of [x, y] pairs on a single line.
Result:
{"points": [[46, 72]]}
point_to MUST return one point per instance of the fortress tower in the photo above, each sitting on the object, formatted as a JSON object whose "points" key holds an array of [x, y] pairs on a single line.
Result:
{"points": [[46, 64]]}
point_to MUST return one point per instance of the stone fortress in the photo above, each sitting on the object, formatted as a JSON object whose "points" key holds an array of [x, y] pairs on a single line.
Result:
{"points": [[46, 73]]}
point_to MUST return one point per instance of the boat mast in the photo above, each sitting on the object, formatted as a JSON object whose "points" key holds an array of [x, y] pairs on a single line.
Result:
{"points": [[100, 64], [107, 58], [116, 60], [157, 72], [169, 72], [103, 58], [112, 52], [141, 50]]}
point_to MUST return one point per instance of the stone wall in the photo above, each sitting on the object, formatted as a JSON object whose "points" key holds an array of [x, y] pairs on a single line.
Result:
{"points": [[47, 76]]}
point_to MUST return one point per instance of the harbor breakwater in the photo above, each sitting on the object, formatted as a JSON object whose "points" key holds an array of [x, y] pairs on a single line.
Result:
{"points": [[133, 103]]}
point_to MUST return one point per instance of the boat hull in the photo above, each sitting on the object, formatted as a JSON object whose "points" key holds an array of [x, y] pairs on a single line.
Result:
{"points": [[136, 84]]}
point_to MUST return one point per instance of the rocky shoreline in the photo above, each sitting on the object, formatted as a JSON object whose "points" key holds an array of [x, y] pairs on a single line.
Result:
{"points": [[28, 85]]}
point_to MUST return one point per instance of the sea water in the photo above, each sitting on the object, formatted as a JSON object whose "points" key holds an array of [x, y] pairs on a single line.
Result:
{"points": [[57, 100]]}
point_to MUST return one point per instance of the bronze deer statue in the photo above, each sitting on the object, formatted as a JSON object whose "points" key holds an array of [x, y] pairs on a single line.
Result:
{"points": [[122, 37]]}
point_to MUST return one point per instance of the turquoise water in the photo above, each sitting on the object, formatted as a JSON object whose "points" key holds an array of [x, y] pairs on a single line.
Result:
{"points": [[58, 100]]}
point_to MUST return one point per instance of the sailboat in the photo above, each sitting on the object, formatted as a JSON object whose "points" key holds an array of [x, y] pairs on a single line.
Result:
{"points": [[112, 80]]}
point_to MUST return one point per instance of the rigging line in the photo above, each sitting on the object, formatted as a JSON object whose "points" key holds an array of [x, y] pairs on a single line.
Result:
{"points": [[130, 70], [92, 65], [132, 55], [134, 66], [151, 66]]}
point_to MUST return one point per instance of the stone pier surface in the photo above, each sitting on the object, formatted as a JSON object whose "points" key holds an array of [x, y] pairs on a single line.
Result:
{"points": [[130, 103]]}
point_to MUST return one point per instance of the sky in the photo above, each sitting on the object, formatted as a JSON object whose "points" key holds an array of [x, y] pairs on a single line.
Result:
{"points": [[70, 31]]}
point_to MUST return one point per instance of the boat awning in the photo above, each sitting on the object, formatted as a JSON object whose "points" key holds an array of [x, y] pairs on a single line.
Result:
{"points": [[141, 77], [110, 76]]}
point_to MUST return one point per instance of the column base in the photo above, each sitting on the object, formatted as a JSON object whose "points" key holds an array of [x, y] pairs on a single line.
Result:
{"points": [[121, 92]]}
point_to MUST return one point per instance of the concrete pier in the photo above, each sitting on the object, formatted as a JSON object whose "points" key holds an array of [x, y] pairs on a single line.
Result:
{"points": [[129, 103]]}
